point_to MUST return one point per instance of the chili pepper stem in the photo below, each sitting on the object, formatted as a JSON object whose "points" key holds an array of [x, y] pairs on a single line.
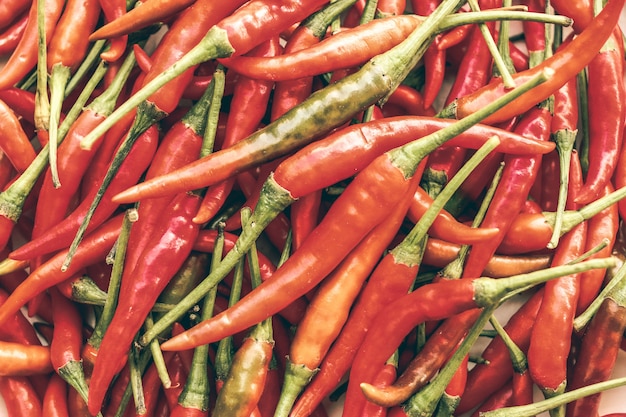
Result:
{"points": [[564, 145], [59, 77], [490, 291], [147, 113], [73, 373], [296, 378], [545, 405], [215, 44], [571, 218]]}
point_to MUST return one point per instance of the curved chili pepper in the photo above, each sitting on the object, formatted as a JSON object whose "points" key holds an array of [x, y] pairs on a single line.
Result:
{"points": [[140, 290], [248, 107], [10, 37], [96, 246], [55, 402], [13, 141], [139, 17], [20, 397], [113, 10], [434, 58], [180, 145], [24, 56], [445, 226], [606, 91], [385, 377], [568, 62], [61, 235], [427, 303], [539, 225]]}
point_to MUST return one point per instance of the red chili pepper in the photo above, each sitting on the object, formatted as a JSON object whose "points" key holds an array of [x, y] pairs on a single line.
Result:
{"points": [[61, 235], [445, 226], [66, 50], [96, 246], [114, 10], [361, 192], [503, 397], [10, 9], [518, 176], [385, 377], [11, 36], [72, 161], [606, 94], [604, 225], [175, 237], [568, 62], [24, 56], [580, 11], [13, 141], [143, 15], [547, 363], [598, 351], [534, 33], [54, 402], [20, 398], [67, 341], [18, 329], [539, 225]]}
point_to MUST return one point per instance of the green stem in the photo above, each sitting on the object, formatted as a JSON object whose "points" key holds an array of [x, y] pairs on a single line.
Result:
{"points": [[157, 357], [499, 62], [585, 317], [42, 103], [92, 57], [59, 77], [545, 405], [215, 92], [564, 146], [405, 252], [489, 291], [115, 281], [369, 11]]}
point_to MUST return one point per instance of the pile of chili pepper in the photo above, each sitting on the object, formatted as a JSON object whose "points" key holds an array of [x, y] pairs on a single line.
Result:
{"points": [[311, 208]]}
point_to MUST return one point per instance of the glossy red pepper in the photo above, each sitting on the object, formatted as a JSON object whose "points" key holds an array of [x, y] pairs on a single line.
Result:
{"points": [[10, 36], [113, 10], [13, 141], [24, 57], [20, 397], [174, 237]]}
